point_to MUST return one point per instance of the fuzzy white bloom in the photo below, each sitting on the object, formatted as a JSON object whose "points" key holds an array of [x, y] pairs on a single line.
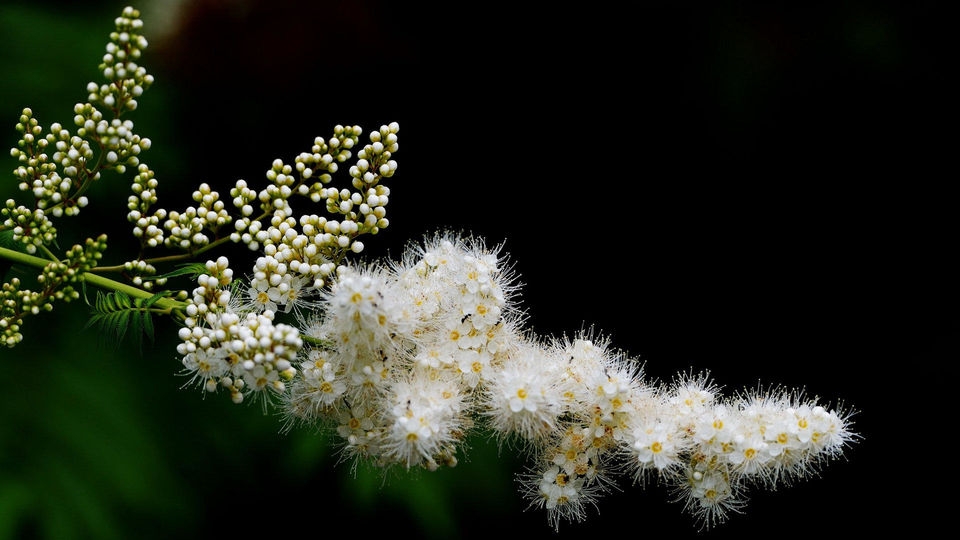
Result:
{"points": [[562, 496], [363, 318], [708, 494], [524, 396], [425, 419], [658, 445]]}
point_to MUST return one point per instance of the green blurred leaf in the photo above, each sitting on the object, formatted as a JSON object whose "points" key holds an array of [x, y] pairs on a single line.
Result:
{"points": [[8, 270], [15, 497], [81, 439]]}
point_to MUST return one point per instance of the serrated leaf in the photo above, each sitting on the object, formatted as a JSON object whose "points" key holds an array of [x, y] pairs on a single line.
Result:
{"points": [[148, 326], [116, 314], [123, 300], [136, 322], [122, 323]]}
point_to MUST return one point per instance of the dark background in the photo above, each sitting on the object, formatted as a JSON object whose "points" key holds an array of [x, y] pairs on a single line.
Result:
{"points": [[761, 192]]}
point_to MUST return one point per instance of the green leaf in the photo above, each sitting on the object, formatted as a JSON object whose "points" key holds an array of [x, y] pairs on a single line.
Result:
{"points": [[148, 327], [116, 314], [7, 241], [193, 270]]}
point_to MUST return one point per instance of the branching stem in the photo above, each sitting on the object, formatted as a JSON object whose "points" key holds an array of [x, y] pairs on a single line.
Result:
{"points": [[92, 279]]}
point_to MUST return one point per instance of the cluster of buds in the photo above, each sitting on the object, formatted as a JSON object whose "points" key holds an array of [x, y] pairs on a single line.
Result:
{"points": [[58, 168], [243, 352]]}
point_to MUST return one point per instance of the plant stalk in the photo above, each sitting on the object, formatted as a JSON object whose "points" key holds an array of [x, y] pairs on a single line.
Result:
{"points": [[91, 278]]}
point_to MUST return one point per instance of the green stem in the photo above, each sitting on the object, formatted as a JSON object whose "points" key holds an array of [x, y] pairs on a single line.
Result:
{"points": [[317, 342], [166, 258], [91, 278]]}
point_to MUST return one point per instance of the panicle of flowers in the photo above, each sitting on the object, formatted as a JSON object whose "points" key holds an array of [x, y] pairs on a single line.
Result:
{"points": [[410, 346], [757, 439], [400, 360], [411, 364], [58, 167]]}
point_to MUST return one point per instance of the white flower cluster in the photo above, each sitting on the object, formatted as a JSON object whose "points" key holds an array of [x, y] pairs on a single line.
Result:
{"points": [[244, 352], [403, 360]]}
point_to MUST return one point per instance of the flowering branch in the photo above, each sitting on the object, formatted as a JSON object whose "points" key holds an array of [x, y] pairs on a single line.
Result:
{"points": [[400, 359]]}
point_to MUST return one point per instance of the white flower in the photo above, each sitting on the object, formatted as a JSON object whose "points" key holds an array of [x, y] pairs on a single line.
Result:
{"points": [[523, 396], [657, 445]]}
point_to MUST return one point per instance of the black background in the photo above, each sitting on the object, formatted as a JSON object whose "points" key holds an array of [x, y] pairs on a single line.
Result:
{"points": [[759, 191]]}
